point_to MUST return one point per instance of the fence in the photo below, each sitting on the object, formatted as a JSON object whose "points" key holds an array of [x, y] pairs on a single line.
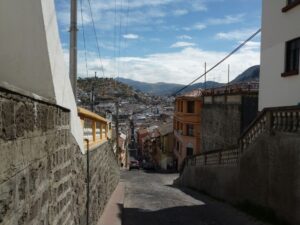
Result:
{"points": [[95, 128]]}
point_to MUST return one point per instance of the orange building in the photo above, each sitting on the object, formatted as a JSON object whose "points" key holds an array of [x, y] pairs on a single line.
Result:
{"points": [[187, 125]]}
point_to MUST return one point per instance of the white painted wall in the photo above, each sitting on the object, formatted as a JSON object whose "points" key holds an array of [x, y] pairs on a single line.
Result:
{"points": [[31, 56], [277, 28]]}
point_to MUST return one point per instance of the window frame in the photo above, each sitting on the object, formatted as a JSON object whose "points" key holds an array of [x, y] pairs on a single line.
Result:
{"points": [[190, 127], [187, 151], [291, 71], [190, 105], [290, 5]]}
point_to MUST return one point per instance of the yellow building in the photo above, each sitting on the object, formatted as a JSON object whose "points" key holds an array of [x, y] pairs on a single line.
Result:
{"points": [[187, 125]]}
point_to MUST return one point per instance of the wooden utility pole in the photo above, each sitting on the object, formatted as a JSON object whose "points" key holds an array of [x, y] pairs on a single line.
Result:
{"points": [[117, 129], [228, 74], [73, 47], [205, 76]]}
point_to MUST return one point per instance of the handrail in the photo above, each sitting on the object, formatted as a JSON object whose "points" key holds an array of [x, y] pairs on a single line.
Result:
{"points": [[263, 112], [269, 120], [88, 114], [96, 129]]}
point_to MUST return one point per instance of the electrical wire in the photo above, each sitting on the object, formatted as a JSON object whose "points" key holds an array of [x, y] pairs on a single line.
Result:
{"points": [[217, 64], [120, 39], [96, 37], [84, 40]]}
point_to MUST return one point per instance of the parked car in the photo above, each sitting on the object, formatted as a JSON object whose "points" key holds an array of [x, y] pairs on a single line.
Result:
{"points": [[134, 164], [148, 166]]}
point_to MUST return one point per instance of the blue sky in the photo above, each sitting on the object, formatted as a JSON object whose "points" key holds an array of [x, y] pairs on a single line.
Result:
{"points": [[164, 40]]}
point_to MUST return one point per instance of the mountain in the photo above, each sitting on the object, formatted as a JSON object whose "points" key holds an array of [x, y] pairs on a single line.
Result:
{"points": [[156, 88], [162, 88], [251, 74]]}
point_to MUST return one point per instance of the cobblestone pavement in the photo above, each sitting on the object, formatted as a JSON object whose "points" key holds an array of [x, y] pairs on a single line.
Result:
{"points": [[150, 199]]}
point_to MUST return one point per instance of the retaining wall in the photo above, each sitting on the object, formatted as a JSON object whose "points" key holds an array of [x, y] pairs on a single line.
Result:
{"points": [[42, 171], [267, 175]]}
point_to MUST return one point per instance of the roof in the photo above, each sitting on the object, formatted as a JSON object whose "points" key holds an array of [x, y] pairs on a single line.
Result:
{"points": [[193, 94], [123, 136], [166, 129]]}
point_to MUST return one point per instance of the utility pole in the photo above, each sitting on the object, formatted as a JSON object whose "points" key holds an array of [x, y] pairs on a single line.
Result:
{"points": [[205, 76], [117, 129], [93, 93], [73, 47], [228, 74]]}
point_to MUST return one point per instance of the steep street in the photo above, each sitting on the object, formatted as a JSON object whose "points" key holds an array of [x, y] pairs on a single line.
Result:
{"points": [[151, 199]]}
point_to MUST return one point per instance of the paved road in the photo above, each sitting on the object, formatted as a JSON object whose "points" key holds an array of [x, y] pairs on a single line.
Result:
{"points": [[150, 199]]}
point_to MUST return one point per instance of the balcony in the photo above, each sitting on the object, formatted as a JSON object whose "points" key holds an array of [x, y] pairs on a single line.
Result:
{"points": [[96, 129]]}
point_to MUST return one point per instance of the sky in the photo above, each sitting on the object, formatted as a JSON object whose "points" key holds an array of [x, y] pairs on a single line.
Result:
{"points": [[162, 40]]}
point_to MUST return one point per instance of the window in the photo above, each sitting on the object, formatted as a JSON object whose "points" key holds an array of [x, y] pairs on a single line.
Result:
{"points": [[292, 57], [291, 1], [181, 106], [189, 151], [190, 130], [290, 4], [190, 106]]}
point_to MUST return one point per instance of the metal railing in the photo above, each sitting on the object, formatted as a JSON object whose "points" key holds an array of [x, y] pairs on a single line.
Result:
{"points": [[246, 87], [96, 129], [270, 120]]}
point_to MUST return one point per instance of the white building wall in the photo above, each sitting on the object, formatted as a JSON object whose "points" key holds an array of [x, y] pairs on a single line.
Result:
{"points": [[277, 28], [31, 56]]}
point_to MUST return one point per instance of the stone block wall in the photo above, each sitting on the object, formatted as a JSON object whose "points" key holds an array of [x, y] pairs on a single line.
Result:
{"points": [[42, 171], [220, 126], [267, 175]]}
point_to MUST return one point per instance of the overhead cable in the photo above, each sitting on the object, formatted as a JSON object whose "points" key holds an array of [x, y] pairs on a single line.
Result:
{"points": [[217, 64]]}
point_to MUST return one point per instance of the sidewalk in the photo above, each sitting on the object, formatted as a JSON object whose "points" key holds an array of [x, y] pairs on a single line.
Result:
{"points": [[112, 214]]}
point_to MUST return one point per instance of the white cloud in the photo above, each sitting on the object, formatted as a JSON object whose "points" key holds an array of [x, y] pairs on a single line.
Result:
{"points": [[182, 44], [180, 12], [187, 37], [179, 67], [197, 26], [241, 34], [131, 36], [198, 5], [229, 19]]}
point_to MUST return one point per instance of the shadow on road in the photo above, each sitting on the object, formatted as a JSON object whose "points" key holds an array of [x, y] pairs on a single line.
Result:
{"points": [[185, 215]]}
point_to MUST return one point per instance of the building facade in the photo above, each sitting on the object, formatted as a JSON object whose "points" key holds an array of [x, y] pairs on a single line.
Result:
{"points": [[279, 77], [227, 111], [187, 126]]}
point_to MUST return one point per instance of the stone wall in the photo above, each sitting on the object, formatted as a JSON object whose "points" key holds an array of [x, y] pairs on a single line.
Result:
{"points": [[224, 118], [267, 175], [220, 126], [42, 171]]}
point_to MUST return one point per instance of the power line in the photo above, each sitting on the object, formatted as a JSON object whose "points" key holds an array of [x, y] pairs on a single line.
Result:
{"points": [[126, 27], [115, 40], [84, 40], [119, 39], [217, 64], [97, 41]]}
